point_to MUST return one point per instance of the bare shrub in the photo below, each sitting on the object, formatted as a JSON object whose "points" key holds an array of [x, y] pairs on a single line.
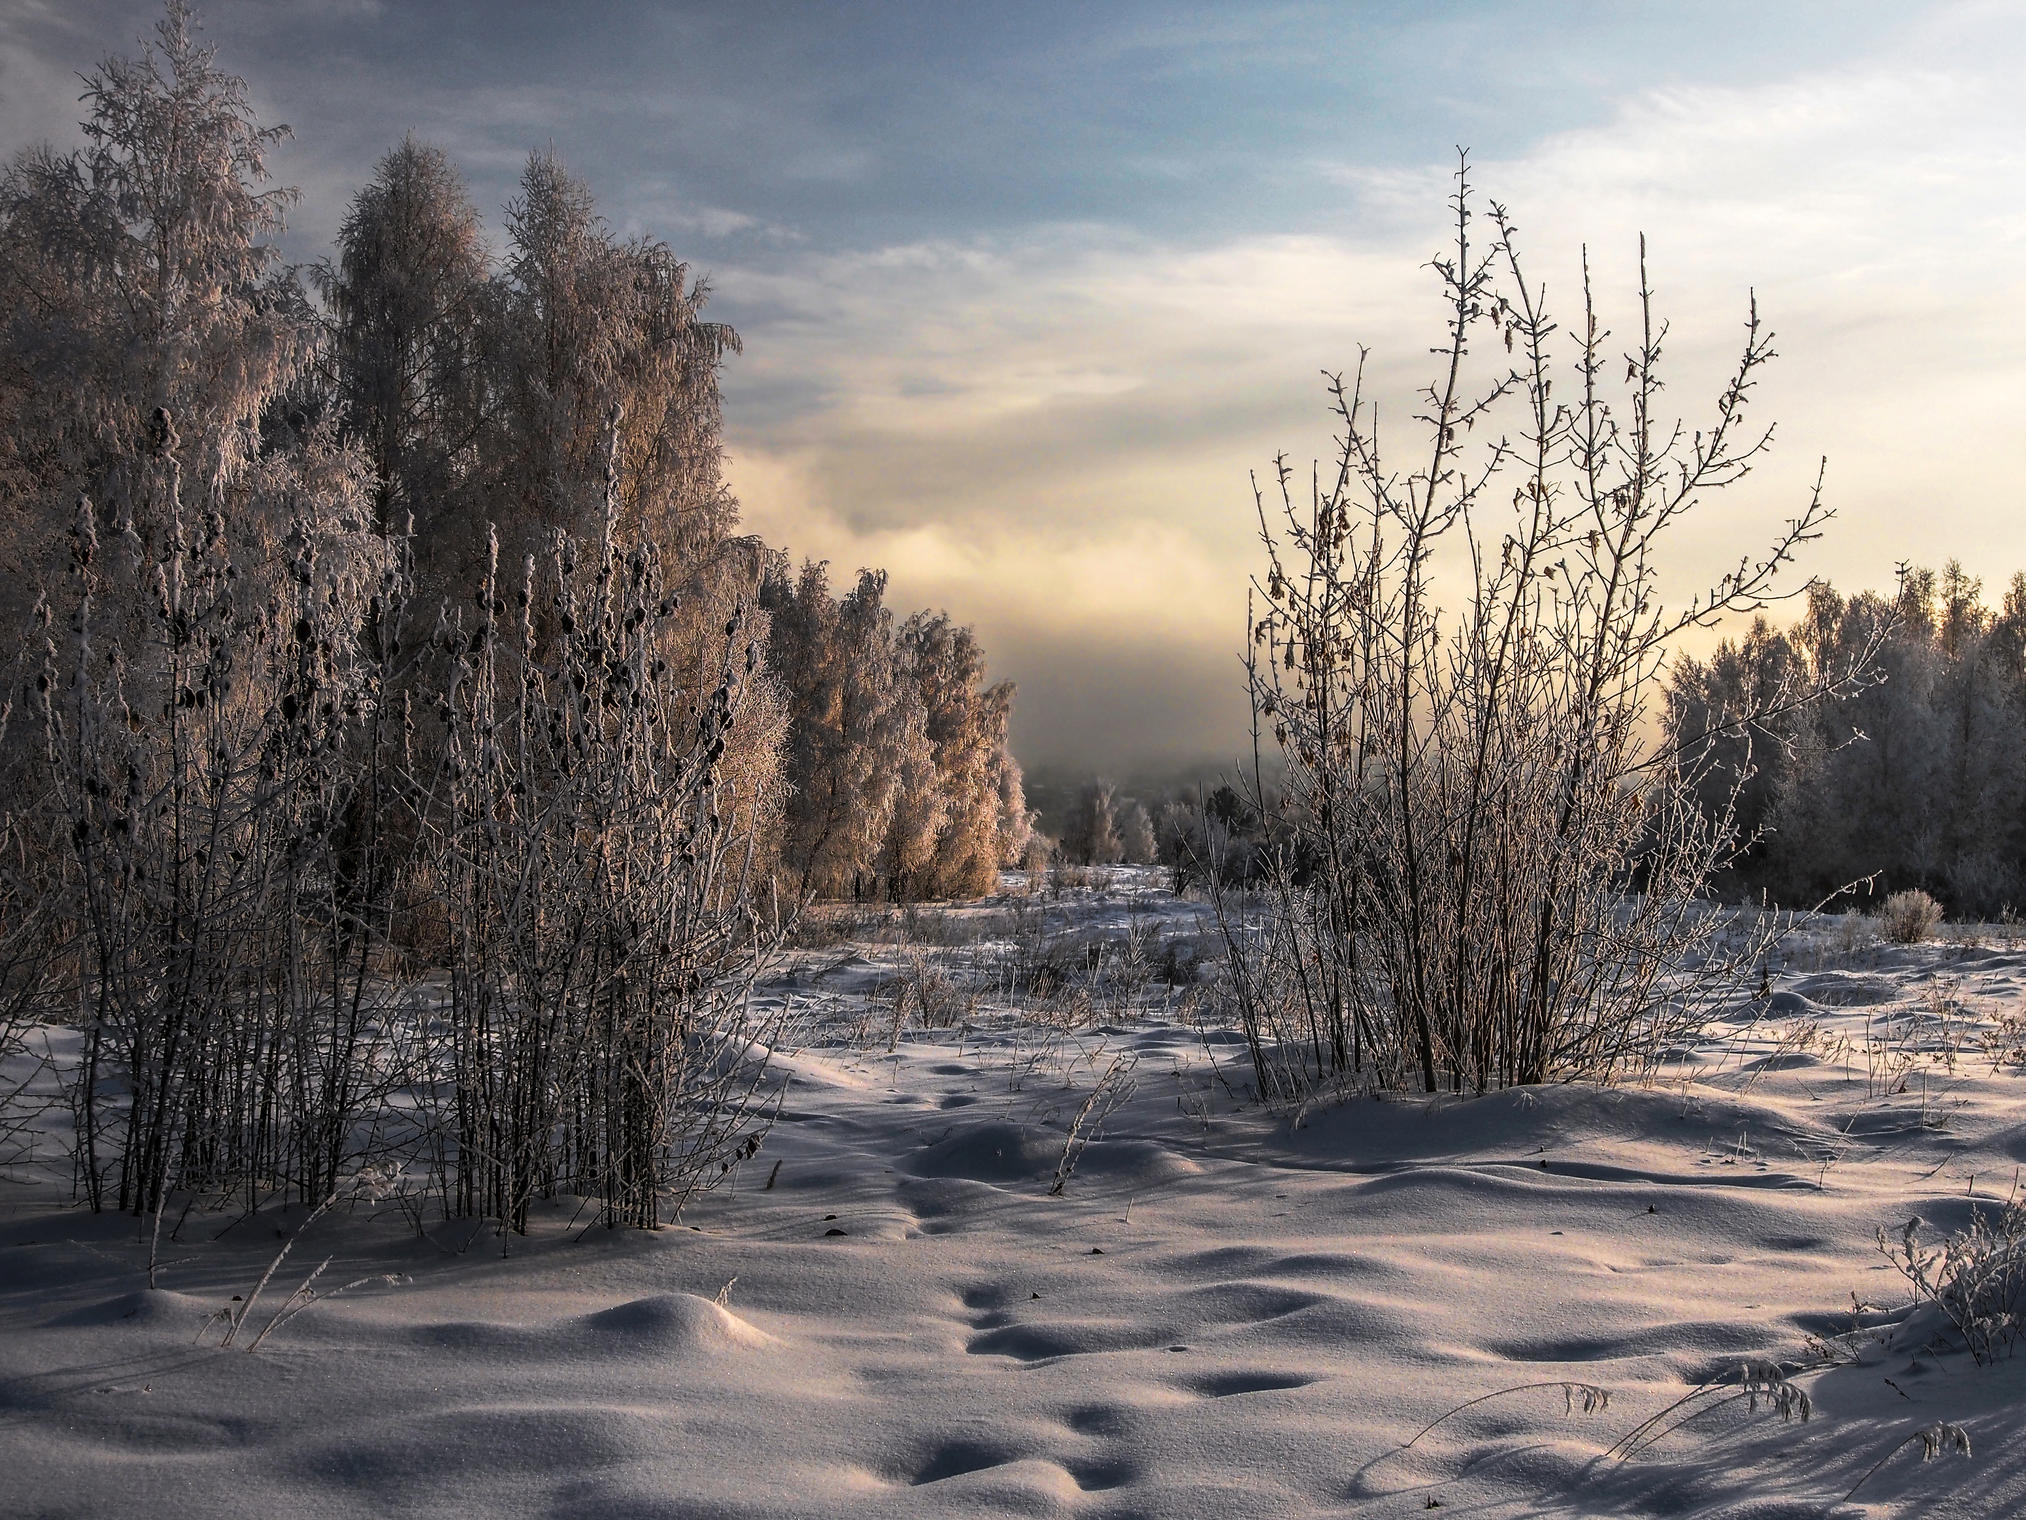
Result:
{"points": [[1067, 877], [2004, 1039], [1907, 918], [1035, 854], [1072, 978], [917, 925], [599, 893], [211, 747], [1126, 967], [1482, 871], [1853, 932], [939, 1000], [33, 931], [826, 925]]}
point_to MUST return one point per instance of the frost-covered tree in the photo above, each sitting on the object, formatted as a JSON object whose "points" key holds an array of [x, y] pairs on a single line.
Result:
{"points": [[1913, 781], [900, 779], [1091, 834], [586, 329], [1017, 833], [851, 733], [1981, 736], [140, 281], [974, 775], [1137, 846], [409, 301]]}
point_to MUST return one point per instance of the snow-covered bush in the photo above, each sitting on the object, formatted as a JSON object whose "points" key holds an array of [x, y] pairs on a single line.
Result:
{"points": [[1907, 918], [1977, 1277], [212, 749]]}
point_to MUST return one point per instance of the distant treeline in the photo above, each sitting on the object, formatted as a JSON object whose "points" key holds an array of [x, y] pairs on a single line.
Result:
{"points": [[1200, 829], [1916, 780], [903, 784]]}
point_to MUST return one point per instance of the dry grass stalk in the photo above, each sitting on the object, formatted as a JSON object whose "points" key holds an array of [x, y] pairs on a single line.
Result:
{"points": [[1754, 1382], [1113, 1088], [1936, 1440], [1589, 1395]]}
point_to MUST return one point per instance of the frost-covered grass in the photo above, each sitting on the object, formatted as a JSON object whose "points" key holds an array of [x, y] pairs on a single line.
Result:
{"points": [[1621, 1299]]}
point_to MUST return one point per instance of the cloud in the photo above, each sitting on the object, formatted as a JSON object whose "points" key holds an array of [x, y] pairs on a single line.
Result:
{"points": [[1051, 430], [1051, 438], [1026, 297]]}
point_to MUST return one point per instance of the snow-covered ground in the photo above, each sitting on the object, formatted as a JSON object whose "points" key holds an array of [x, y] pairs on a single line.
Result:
{"points": [[1228, 1311]]}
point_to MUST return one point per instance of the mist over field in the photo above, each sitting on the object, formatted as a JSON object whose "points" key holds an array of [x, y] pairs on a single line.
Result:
{"points": [[1049, 761]]}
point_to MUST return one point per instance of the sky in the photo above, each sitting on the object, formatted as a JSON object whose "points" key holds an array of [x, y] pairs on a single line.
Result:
{"points": [[1029, 291]]}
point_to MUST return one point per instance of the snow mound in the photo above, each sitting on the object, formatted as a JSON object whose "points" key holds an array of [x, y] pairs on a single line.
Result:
{"points": [[1004, 1152], [1850, 989], [1523, 1121], [1000, 1151], [677, 1322], [145, 1308], [1134, 1161], [474, 1456]]}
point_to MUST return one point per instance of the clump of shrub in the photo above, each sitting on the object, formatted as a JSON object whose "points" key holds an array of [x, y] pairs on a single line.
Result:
{"points": [[1907, 918], [403, 764], [1977, 1277], [1853, 932], [1479, 869]]}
